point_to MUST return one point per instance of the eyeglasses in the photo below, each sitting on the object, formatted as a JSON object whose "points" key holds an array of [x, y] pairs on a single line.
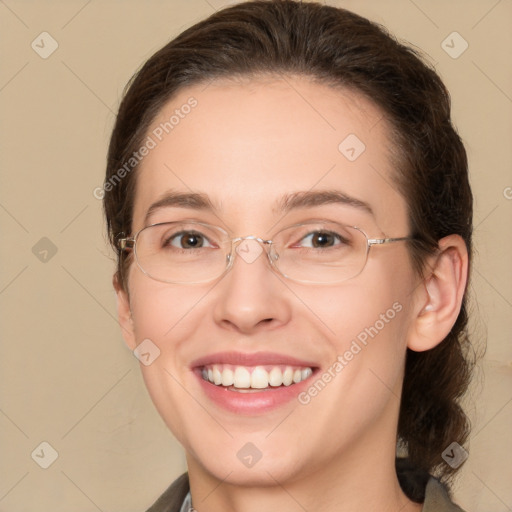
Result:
{"points": [[190, 252]]}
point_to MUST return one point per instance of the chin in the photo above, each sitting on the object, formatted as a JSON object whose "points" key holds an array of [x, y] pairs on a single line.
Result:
{"points": [[260, 475]]}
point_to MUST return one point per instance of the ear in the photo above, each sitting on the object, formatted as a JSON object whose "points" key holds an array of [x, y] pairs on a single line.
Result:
{"points": [[439, 297], [124, 314]]}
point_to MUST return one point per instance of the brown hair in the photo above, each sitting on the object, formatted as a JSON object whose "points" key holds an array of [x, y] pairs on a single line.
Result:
{"points": [[338, 48]]}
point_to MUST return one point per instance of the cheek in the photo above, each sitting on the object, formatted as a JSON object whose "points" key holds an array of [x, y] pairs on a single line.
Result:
{"points": [[360, 311], [167, 316], [365, 322], [163, 311]]}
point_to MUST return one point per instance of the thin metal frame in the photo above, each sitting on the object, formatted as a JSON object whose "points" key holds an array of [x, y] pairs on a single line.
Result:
{"points": [[129, 243]]}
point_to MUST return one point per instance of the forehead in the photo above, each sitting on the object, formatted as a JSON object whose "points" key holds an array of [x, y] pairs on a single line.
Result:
{"points": [[247, 144]]}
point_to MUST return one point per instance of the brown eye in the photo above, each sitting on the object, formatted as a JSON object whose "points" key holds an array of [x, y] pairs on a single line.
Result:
{"points": [[321, 239], [188, 240]]}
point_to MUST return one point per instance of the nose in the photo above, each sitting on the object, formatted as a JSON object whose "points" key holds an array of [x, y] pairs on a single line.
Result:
{"points": [[251, 297]]}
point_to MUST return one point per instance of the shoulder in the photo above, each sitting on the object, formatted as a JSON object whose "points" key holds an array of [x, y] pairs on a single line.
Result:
{"points": [[172, 499], [421, 487], [437, 498]]}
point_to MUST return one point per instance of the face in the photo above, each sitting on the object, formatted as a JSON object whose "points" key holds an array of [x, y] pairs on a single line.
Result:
{"points": [[247, 147]]}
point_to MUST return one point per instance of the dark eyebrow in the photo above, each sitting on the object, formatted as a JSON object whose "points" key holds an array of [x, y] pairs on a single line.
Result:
{"points": [[311, 199], [192, 200], [295, 201]]}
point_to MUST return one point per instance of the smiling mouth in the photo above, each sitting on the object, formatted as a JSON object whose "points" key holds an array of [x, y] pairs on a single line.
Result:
{"points": [[253, 379]]}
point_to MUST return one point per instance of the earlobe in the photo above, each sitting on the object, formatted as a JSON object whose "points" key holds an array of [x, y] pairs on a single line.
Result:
{"points": [[124, 314], [440, 297]]}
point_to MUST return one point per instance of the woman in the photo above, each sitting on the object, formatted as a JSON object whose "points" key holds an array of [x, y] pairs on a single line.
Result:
{"points": [[290, 207]]}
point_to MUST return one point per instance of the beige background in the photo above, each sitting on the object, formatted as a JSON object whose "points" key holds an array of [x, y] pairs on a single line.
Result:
{"points": [[66, 376]]}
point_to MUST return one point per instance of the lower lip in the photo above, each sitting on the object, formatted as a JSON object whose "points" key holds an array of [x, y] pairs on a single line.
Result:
{"points": [[254, 402]]}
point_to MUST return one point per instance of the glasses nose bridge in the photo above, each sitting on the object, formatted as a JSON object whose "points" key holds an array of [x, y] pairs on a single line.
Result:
{"points": [[235, 243], [251, 237]]}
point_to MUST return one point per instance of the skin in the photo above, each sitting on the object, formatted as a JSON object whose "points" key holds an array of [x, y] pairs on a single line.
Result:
{"points": [[246, 144]]}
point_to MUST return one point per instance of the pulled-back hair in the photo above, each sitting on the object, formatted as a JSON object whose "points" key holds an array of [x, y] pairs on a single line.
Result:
{"points": [[338, 48]]}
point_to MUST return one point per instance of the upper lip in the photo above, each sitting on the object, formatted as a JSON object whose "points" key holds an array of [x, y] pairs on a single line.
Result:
{"points": [[250, 359]]}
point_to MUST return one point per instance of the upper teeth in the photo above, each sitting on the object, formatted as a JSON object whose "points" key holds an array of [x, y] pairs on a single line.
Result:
{"points": [[257, 377]]}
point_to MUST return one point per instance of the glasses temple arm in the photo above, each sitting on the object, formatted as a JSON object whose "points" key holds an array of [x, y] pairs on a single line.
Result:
{"points": [[375, 241]]}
